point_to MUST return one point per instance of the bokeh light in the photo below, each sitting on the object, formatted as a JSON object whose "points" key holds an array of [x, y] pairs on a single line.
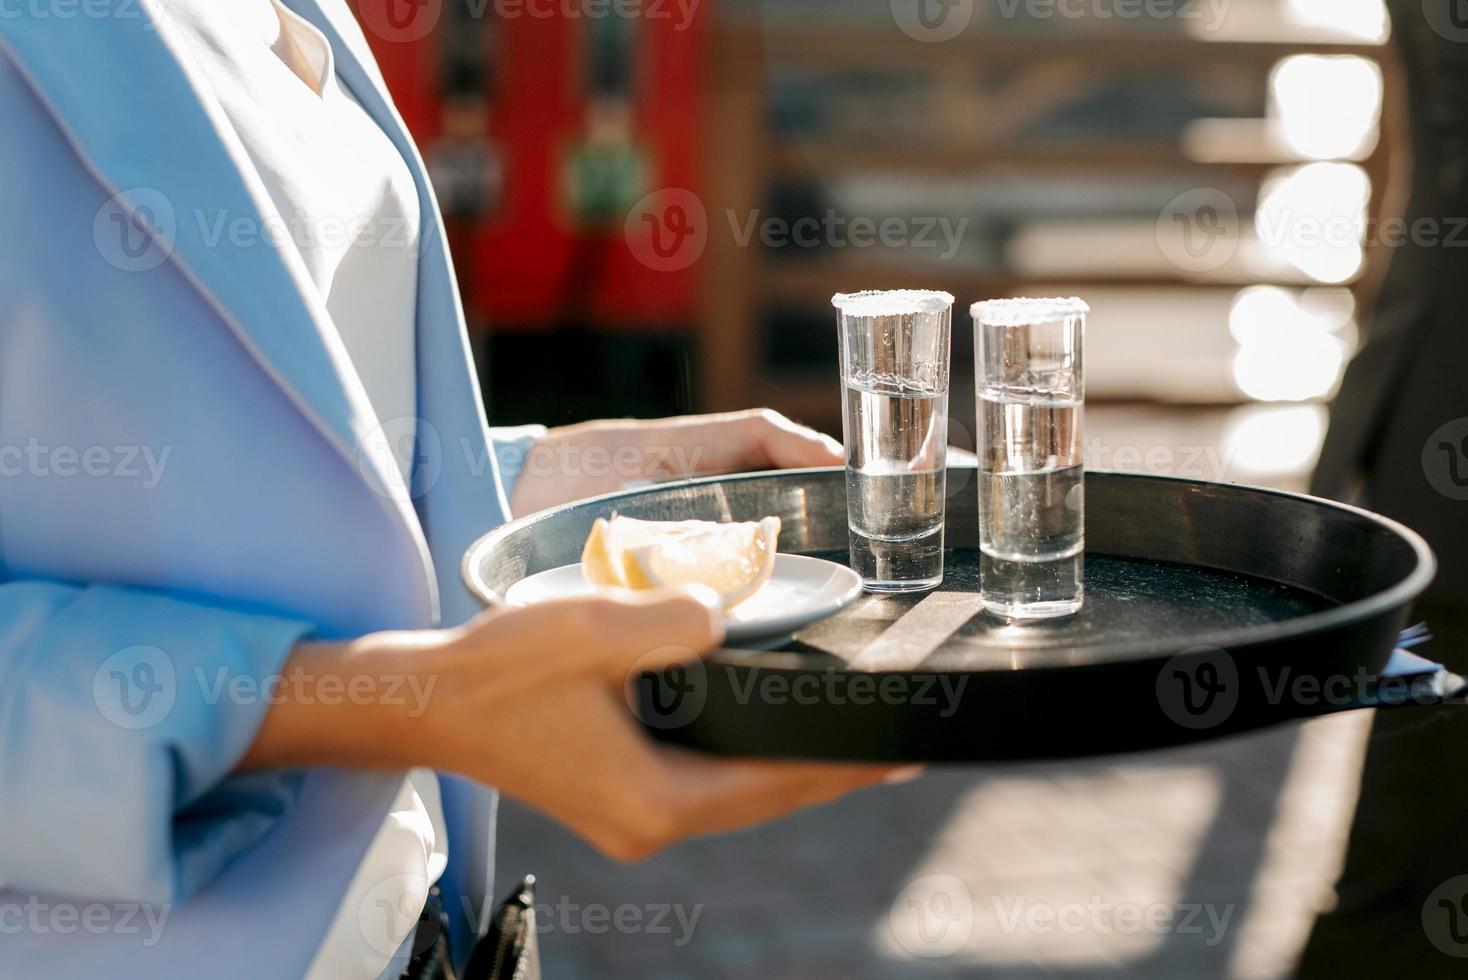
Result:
{"points": [[1314, 217], [1261, 441], [1292, 347], [1327, 106], [1363, 19]]}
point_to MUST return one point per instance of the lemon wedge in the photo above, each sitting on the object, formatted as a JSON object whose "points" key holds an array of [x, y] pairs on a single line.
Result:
{"points": [[734, 560]]}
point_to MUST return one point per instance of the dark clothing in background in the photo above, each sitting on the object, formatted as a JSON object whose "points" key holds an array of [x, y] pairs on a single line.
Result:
{"points": [[1410, 833], [1409, 377]]}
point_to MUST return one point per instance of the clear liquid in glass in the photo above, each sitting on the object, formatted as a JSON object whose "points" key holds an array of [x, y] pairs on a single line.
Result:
{"points": [[896, 447], [1031, 503]]}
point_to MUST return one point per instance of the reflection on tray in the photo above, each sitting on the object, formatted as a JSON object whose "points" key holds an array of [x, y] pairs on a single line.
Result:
{"points": [[1127, 600]]}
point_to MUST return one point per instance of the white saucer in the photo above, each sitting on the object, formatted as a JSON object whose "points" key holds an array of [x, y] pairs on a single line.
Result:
{"points": [[802, 590]]}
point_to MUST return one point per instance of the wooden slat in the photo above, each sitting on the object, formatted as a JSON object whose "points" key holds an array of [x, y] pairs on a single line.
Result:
{"points": [[832, 45]]}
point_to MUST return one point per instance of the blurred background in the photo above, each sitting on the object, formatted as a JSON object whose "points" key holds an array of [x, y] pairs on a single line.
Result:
{"points": [[650, 204]]}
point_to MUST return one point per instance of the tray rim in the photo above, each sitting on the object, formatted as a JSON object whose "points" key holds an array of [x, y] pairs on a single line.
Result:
{"points": [[1398, 595]]}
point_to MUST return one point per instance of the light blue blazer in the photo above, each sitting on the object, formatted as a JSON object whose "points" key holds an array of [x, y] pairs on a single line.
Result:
{"points": [[187, 488]]}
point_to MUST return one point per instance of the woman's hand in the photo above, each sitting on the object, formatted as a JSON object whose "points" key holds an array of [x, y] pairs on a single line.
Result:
{"points": [[600, 457], [534, 702]]}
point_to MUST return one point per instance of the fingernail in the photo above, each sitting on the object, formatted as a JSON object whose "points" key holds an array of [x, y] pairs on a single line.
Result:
{"points": [[904, 775], [832, 444]]}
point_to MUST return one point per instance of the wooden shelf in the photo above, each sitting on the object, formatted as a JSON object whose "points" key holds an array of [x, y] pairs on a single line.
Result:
{"points": [[1242, 147], [815, 282], [976, 104], [838, 156], [826, 46]]}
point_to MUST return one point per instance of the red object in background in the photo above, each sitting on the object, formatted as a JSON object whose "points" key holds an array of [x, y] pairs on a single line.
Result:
{"points": [[531, 267]]}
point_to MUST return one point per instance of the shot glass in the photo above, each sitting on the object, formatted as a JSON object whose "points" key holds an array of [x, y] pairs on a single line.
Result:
{"points": [[1030, 379], [894, 375]]}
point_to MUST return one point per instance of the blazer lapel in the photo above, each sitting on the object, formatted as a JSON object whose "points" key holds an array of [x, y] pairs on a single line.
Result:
{"points": [[143, 123]]}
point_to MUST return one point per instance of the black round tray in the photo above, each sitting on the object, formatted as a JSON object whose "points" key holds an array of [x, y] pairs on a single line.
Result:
{"points": [[1210, 609]]}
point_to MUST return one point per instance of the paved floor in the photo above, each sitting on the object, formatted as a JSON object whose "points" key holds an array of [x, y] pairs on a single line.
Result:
{"points": [[1203, 862]]}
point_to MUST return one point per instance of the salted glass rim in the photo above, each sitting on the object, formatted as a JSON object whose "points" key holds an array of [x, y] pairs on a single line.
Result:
{"points": [[892, 302], [1023, 309]]}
